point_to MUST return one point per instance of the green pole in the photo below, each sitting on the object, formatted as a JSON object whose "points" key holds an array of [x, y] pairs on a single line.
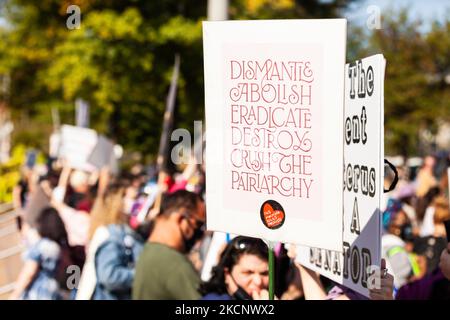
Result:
{"points": [[271, 271]]}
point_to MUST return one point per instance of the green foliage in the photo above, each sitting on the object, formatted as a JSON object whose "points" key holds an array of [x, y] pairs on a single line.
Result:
{"points": [[416, 95], [120, 61], [286, 9], [10, 173]]}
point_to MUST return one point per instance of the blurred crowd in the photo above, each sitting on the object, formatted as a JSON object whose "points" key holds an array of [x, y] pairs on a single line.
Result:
{"points": [[142, 235], [415, 243]]}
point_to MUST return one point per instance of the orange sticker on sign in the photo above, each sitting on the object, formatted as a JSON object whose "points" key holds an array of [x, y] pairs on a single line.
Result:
{"points": [[272, 214]]}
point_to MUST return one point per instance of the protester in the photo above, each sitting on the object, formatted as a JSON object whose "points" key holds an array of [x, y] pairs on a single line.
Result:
{"points": [[113, 250], [162, 270], [294, 286], [119, 266], [39, 278], [22, 190], [396, 246], [241, 274], [217, 244], [425, 179], [76, 220], [425, 211], [408, 199], [131, 195], [78, 193], [432, 245], [22, 194]]}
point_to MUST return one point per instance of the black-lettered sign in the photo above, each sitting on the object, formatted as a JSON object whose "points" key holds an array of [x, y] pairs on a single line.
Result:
{"points": [[362, 180]]}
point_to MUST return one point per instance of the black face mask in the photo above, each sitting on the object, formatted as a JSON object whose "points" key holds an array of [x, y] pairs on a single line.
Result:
{"points": [[190, 243], [406, 232], [241, 294]]}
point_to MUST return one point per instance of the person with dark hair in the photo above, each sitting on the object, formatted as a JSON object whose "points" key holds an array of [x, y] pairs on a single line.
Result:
{"points": [[162, 270], [76, 219], [241, 274], [39, 278], [23, 189], [395, 242]]}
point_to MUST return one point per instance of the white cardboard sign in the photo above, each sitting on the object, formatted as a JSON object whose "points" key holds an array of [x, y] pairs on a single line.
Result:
{"points": [[84, 149], [77, 144], [363, 180], [102, 153], [274, 121]]}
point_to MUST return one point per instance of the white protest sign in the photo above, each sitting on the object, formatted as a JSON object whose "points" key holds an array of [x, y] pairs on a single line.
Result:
{"points": [[274, 120], [5, 140], [54, 144], [85, 149], [114, 159], [102, 154], [363, 180], [81, 113], [77, 145]]}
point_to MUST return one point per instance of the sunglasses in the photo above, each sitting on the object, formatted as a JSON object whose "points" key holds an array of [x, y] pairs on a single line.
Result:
{"points": [[199, 224], [243, 243]]}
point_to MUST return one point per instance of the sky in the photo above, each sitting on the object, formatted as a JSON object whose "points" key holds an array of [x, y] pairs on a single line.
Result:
{"points": [[427, 10]]}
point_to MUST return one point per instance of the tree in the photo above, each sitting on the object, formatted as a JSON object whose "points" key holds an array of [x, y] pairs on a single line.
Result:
{"points": [[416, 94], [120, 60]]}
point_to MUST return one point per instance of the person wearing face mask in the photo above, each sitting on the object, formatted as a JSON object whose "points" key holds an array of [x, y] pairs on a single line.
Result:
{"points": [[241, 274], [397, 246], [163, 272]]}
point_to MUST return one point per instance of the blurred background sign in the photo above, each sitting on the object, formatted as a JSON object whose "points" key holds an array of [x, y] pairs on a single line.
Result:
{"points": [[5, 140], [76, 146], [81, 113], [217, 10]]}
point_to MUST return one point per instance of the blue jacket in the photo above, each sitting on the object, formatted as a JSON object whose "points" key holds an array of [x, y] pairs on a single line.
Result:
{"points": [[115, 261]]}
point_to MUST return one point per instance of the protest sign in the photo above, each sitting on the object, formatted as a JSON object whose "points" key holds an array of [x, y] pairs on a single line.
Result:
{"points": [[5, 140], [102, 153], [54, 144], [274, 122], [77, 145], [81, 113], [84, 149], [363, 180]]}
